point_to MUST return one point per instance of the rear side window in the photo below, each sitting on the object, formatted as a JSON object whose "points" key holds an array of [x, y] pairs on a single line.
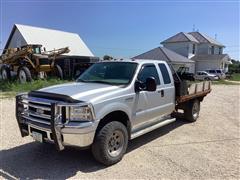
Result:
{"points": [[165, 74], [147, 71], [219, 71], [211, 71]]}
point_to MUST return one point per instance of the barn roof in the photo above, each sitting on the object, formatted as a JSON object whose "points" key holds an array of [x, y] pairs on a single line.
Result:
{"points": [[51, 39]]}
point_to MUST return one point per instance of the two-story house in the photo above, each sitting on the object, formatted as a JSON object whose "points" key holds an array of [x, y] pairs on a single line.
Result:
{"points": [[199, 51], [204, 50]]}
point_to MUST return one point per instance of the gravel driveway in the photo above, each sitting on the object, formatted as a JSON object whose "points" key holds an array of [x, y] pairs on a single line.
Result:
{"points": [[209, 148]]}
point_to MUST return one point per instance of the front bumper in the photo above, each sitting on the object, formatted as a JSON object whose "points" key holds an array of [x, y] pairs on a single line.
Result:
{"points": [[55, 130]]}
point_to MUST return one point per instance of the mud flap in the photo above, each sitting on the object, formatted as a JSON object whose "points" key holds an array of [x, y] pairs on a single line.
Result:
{"points": [[56, 130]]}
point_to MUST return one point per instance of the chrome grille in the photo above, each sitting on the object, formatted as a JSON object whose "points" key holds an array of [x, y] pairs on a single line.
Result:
{"points": [[37, 110]]}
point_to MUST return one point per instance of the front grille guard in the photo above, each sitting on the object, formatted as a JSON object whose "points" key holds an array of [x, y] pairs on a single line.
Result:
{"points": [[55, 122]]}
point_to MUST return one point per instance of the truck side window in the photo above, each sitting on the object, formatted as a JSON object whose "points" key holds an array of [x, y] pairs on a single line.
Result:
{"points": [[147, 71], [165, 74]]}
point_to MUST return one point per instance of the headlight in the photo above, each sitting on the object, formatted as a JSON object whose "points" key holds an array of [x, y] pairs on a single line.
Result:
{"points": [[82, 113]]}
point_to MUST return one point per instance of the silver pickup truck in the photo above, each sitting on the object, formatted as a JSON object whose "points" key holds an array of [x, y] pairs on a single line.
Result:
{"points": [[109, 104]]}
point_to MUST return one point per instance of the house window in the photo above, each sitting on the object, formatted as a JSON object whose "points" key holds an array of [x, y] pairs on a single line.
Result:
{"points": [[220, 50], [193, 49], [212, 50]]}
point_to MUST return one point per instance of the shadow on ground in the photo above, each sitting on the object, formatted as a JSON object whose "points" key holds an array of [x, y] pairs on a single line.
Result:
{"points": [[42, 161]]}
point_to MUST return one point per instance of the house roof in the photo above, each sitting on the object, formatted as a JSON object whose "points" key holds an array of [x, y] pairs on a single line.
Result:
{"points": [[52, 39], [164, 54], [181, 37], [212, 57], [196, 37], [203, 38]]}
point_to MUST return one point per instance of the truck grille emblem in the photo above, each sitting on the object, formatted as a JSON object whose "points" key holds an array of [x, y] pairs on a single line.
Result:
{"points": [[40, 111]]}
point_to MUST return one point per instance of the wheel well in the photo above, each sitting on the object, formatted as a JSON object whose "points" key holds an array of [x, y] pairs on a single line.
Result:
{"points": [[119, 116]]}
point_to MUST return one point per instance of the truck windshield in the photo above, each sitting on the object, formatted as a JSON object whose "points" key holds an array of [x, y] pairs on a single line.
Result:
{"points": [[115, 73]]}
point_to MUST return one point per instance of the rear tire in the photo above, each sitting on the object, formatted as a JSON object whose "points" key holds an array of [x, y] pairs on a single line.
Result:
{"points": [[24, 74], [57, 72], [5, 73], [191, 111], [110, 143]]}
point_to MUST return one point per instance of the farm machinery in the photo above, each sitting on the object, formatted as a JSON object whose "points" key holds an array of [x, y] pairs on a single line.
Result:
{"points": [[29, 62]]}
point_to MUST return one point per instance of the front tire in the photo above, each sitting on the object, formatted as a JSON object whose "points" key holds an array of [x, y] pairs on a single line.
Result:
{"points": [[191, 111], [110, 143]]}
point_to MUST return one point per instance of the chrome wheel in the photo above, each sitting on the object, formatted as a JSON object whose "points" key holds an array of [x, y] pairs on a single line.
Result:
{"points": [[115, 143], [22, 76], [195, 110]]}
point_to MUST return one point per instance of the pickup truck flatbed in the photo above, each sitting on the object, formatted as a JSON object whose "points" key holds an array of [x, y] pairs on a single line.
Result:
{"points": [[110, 103]]}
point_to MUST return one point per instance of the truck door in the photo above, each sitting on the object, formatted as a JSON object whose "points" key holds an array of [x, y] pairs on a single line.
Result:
{"points": [[168, 89], [152, 100]]}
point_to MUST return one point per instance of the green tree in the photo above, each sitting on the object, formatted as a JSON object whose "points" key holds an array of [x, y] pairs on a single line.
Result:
{"points": [[107, 57], [234, 67]]}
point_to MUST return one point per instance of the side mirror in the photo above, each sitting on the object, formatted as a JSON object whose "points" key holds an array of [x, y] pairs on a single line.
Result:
{"points": [[151, 84]]}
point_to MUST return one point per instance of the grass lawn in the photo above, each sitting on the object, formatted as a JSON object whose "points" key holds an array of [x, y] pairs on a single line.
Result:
{"points": [[235, 77], [225, 82], [10, 89]]}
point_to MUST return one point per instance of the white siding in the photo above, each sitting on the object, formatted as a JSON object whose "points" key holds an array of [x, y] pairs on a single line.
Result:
{"points": [[210, 64], [179, 47], [190, 50], [203, 49], [207, 49], [183, 48]]}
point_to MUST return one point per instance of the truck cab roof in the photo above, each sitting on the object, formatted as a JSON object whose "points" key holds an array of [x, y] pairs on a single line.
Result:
{"points": [[138, 61]]}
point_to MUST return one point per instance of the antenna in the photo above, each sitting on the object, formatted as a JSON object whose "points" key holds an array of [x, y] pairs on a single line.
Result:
{"points": [[216, 36], [193, 28]]}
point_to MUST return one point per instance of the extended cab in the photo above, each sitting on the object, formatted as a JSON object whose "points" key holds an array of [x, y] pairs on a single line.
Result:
{"points": [[110, 103]]}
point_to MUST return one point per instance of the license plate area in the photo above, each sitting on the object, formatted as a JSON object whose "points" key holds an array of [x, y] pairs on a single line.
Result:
{"points": [[37, 136]]}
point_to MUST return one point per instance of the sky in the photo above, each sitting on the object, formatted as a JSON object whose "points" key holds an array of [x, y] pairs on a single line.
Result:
{"points": [[127, 28]]}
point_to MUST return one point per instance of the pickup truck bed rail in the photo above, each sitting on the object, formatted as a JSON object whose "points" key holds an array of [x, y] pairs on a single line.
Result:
{"points": [[195, 90]]}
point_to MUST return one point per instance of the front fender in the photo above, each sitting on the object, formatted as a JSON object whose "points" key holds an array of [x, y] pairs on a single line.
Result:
{"points": [[102, 111]]}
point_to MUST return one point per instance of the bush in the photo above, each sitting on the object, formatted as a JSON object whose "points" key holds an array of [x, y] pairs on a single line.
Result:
{"points": [[234, 67]]}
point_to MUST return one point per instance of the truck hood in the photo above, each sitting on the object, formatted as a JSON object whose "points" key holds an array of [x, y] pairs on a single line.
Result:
{"points": [[82, 91]]}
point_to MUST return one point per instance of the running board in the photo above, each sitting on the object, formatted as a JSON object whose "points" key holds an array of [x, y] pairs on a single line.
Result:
{"points": [[152, 127]]}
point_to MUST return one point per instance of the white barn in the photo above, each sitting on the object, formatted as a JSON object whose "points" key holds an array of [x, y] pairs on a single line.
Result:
{"points": [[76, 61], [50, 39]]}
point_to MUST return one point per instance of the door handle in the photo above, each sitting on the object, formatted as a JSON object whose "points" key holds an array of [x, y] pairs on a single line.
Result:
{"points": [[161, 92]]}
